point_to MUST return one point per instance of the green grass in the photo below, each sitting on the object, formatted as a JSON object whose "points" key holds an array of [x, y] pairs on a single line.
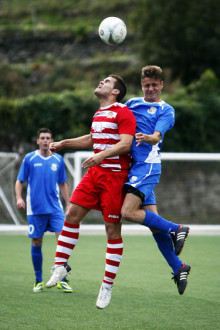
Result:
{"points": [[144, 297]]}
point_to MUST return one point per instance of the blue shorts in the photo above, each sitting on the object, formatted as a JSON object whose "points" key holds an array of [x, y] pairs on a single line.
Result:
{"points": [[40, 223], [144, 177]]}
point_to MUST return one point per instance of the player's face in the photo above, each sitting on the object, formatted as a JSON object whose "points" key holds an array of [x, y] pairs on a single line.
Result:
{"points": [[44, 140], [151, 88], [105, 87]]}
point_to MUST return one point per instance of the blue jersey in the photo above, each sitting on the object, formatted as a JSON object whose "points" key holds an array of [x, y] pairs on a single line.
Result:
{"points": [[43, 174], [150, 117]]}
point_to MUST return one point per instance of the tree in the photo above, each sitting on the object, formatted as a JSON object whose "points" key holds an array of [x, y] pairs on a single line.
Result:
{"points": [[181, 35], [197, 116]]}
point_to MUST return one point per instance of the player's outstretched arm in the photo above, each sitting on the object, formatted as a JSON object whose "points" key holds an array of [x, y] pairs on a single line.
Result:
{"points": [[82, 142]]}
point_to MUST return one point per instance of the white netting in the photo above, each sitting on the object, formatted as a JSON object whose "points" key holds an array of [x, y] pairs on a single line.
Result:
{"points": [[8, 210], [189, 188], [188, 192]]}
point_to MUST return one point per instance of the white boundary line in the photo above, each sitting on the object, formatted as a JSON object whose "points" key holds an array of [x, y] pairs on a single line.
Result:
{"points": [[206, 230]]}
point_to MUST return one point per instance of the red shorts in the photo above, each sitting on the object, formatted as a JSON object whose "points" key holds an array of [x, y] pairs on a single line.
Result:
{"points": [[102, 189]]}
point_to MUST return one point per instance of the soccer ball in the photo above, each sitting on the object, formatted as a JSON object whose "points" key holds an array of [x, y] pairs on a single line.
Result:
{"points": [[112, 30]]}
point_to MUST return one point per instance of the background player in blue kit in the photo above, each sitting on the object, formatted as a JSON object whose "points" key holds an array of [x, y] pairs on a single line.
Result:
{"points": [[46, 177], [154, 117]]}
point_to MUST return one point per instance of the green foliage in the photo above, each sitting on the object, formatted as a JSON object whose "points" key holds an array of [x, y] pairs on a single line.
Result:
{"points": [[50, 74], [197, 116], [66, 114], [182, 35], [69, 114], [53, 59]]}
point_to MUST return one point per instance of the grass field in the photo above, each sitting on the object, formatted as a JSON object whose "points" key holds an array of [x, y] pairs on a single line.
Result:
{"points": [[144, 297]]}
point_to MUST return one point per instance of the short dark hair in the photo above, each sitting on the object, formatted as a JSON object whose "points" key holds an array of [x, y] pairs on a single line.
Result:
{"points": [[44, 130], [152, 71], [120, 85]]}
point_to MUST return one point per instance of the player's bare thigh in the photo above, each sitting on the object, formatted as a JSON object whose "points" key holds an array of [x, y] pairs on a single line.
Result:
{"points": [[131, 209]]}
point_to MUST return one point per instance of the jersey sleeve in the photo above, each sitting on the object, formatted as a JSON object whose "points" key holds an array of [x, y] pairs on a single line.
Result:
{"points": [[126, 122], [24, 170], [165, 121], [127, 103]]}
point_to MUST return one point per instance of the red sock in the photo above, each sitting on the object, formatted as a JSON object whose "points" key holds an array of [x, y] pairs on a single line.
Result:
{"points": [[66, 242], [114, 253]]}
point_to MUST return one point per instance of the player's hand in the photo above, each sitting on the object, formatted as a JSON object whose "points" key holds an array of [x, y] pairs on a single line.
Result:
{"points": [[55, 146], [92, 161], [139, 138], [20, 203]]}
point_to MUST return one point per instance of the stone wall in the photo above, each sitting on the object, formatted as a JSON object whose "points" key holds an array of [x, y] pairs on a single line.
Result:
{"points": [[188, 193]]}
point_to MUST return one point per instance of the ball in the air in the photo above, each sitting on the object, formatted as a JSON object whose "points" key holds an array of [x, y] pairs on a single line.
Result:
{"points": [[112, 30]]}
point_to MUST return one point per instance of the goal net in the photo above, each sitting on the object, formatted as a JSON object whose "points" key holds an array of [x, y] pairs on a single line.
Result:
{"points": [[8, 210], [188, 192]]}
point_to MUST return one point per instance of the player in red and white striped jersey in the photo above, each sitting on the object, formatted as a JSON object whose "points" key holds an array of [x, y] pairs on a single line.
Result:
{"points": [[108, 124], [101, 188]]}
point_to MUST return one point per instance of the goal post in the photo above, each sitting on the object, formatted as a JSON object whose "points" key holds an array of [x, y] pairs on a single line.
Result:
{"points": [[73, 163], [189, 188]]}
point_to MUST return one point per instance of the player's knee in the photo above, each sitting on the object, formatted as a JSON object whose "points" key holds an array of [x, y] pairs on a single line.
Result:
{"points": [[113, 230], [127, 214], [72, 215], [133, 215], [36, 242]]}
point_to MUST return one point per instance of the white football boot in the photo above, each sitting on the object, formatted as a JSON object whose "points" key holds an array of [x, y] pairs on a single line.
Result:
{"points": [[104, 296], [58, 273]]}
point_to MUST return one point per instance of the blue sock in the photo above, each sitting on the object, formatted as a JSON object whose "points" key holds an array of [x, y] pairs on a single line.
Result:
{"points": [[37, 260], [165, 245], [153, 220]]}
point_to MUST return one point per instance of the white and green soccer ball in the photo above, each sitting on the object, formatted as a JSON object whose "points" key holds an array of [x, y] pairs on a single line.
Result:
{"points": [[112, 30]]}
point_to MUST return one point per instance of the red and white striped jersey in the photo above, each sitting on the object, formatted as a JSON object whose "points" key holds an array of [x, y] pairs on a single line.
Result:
{"points": [[107, 125]]}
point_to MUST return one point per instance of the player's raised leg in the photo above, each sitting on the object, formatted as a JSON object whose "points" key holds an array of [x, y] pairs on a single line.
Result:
{"points": [[66, 242], [132, 212], [165, 245], [180, 271], [179, 237], [64, 283], [114, 253], [181, 278]]}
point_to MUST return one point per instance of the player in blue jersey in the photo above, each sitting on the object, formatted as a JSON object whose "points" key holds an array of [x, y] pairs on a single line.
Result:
{"points": [[46, 177], [154, 117]]}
